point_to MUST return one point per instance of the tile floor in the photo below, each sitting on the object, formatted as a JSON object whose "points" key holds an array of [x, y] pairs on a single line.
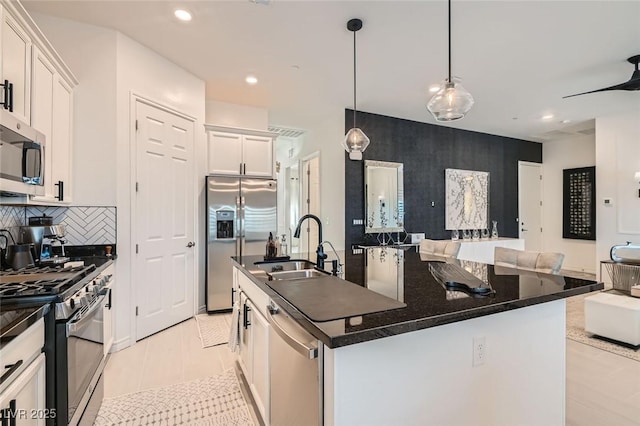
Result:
{"points": [[172, 356], [603, 389]]}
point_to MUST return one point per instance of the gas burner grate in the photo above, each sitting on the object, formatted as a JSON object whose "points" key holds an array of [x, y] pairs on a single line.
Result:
{"points": [[41, 270], [33, 288], [40, 281]]}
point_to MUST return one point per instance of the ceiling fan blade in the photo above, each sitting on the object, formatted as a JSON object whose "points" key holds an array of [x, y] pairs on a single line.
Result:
{"points": [[632, 84]]}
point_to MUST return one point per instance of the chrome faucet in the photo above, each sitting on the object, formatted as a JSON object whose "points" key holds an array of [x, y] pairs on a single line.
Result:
{"points": [[320, 254]]}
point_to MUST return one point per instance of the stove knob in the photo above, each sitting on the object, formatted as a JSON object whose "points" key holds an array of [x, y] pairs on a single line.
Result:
{"points": [[71, 303]]}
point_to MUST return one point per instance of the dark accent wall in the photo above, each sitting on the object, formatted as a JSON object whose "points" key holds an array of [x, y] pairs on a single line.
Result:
{"points": [[426, 150]]}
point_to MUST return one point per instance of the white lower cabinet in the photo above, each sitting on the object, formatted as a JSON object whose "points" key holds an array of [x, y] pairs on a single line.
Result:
{"points": [[260, 341], [254, 342], [24, 399], [246, 348]]}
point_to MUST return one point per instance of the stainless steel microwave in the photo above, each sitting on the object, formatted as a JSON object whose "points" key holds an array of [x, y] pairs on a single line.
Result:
{"points": [[21, 157]]}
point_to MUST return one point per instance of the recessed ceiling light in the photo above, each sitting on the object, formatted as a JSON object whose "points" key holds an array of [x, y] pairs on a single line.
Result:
{"points": [[251, 79], [565, 121], [182, 15], [434, 88], [547, 117]]}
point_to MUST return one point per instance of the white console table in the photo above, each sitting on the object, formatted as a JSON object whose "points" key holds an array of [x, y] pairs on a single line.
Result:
{"points": [[482, 250]]}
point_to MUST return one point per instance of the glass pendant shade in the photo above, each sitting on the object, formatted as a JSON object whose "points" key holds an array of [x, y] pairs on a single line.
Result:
{"points": [[355, 142], [452, 102]]}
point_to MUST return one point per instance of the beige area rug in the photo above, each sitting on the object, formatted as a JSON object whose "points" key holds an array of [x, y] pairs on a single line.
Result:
{"points": [[575, 330], [215, 401], [213, 329]]}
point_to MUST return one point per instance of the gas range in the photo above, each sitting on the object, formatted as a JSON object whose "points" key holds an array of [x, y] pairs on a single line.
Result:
{"points": [[62, 286], [74, 339]]}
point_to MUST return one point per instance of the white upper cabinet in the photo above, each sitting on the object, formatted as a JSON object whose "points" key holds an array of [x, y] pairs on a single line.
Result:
{"points": [[15, 67], [234, 151], [61, 138], [42, 88]]}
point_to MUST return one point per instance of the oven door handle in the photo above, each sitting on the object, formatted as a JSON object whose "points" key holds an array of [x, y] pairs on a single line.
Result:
{"points": [[83, 320]]}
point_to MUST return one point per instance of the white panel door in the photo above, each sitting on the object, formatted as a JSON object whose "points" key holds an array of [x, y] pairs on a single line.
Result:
{"points": [[530, 205], [257, 153], [225, 153], [16, 65], [164, 219], [310, 203]]}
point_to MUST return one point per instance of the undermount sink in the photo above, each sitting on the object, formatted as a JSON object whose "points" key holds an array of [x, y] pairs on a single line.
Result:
{"points": [[290, 265], [296, 275]]}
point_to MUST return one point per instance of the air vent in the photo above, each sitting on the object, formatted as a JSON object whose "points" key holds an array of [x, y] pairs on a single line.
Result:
{"points": [[555, 134], [283, 131], [587, 132]]}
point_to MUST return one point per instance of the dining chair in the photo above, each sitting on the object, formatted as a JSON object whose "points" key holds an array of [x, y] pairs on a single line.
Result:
{"points": [[545, 262], [440, 248]]}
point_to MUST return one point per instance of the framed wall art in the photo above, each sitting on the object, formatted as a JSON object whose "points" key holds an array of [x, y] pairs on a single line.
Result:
{"points": [[578, 204], [467, 199]]}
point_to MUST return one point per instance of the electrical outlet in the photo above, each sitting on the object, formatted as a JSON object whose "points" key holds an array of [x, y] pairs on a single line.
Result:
{"points": [[479, 351]]}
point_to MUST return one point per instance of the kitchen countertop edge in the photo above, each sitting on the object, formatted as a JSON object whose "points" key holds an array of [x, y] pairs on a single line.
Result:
{"points": [[407, 326]]}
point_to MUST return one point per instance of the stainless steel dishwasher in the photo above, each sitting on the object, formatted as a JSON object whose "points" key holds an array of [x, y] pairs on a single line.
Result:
{"points": [[295, 358]]}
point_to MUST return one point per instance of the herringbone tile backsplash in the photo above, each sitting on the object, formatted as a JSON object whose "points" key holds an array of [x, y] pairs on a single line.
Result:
{"points": [[83, 225], [11, 217]]}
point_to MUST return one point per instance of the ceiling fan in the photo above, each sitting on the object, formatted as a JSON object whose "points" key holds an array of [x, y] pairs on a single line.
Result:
{"points": [[632, 84]]}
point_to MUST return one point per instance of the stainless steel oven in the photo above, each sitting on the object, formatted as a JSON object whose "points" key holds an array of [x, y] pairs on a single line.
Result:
{"points": [[74, 332], [85, 354], [80, 355]]}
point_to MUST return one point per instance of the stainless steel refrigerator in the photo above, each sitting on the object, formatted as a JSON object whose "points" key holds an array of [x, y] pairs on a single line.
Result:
{"points": [[241, 212]]}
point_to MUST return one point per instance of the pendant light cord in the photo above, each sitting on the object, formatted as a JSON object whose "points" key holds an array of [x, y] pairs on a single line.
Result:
{"points": [[354, 78], [449, 41]]}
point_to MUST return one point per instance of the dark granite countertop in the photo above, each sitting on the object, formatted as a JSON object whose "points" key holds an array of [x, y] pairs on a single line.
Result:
{"points": [[16, 319], [408, 277]]}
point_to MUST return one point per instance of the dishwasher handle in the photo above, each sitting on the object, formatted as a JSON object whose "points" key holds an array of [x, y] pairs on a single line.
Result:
{"points": [[308, 351]]}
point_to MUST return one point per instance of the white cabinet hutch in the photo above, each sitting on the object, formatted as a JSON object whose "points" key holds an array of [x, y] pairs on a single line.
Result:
{"points": [[234, 151]]}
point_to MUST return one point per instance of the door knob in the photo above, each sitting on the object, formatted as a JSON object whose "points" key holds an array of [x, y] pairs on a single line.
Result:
{"points": [[191, 244]]}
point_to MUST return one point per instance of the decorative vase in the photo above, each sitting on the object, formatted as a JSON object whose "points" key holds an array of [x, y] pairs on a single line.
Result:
{"points": [[475, 235], [494, 229], [455, 236]]}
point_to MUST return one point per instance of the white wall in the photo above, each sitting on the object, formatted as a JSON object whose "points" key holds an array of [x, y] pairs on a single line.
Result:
{"points": [[233, 115], [111, 67], [324, 131], [142, 72], [617, 160], [578, 151]]}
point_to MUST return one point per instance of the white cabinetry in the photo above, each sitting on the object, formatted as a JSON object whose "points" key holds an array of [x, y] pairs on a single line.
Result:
{"points": [[16, 66], [107, 309], [254, 342], [240, 151], [42, 95], [22, 391], [24, 398]]}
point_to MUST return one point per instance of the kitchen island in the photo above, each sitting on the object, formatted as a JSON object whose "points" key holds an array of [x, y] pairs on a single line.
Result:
{"points": [[447, 358]]}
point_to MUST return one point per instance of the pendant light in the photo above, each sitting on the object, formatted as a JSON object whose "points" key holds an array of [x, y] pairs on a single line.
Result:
{"points": [[355, 141], [452, 102]]}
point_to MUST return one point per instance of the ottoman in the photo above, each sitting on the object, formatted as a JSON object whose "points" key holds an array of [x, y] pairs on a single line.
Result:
{"points": [[614, 316]]}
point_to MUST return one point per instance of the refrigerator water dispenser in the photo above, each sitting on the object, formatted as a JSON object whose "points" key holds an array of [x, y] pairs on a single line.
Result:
{"points": [[224, 224]]}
